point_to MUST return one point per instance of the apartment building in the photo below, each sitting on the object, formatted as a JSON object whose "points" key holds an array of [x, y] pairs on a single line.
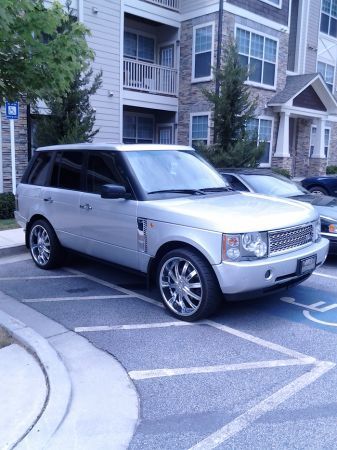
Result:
{"points": [[157, 55]]}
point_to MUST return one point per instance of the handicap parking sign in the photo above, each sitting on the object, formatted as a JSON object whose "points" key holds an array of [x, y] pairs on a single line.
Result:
{"points": [[12, 110]]}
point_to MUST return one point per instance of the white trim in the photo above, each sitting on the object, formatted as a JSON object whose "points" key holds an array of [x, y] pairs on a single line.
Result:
{"points": [[121, 72], [195, 114], [151, 101], [152, 12], [80, 11], [272, 38], [1, 168], [195, 28], [333, 65], [279, 6]]}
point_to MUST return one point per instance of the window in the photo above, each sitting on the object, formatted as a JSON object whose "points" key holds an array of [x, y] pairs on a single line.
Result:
{"points": [[40, 170], [257, 53], [313, 141], [199, 130], [273, 2], [137, 129], [329, 17], [262, 128], [67, 170], [235, 183], [102, 170], [328, 73], [138, 47], [202, 52]]}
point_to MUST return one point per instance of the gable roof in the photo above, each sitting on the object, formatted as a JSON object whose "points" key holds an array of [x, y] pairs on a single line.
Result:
{"points": [[296, 84]]}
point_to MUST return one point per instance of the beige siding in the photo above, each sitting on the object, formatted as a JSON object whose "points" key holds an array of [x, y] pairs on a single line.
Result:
{"points": [[192, 6], [105, 41]]}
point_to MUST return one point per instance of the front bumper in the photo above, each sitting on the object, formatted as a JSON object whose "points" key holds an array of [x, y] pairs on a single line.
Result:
{"points": [[248, 277], [333, 242]]}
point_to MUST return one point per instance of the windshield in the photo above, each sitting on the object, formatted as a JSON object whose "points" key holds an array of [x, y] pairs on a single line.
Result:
{"points": [[169, 170], [273, 185]]}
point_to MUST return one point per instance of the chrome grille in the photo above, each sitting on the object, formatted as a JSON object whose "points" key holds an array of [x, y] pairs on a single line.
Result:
{"points": [[284, 240]]}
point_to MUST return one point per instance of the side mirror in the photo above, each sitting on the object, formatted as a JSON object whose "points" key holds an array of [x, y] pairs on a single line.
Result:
{"points": [[113, 191]]}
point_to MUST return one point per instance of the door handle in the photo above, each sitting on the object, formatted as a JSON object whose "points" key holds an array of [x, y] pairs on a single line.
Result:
{"points": [[86, 206], [48, 199]]}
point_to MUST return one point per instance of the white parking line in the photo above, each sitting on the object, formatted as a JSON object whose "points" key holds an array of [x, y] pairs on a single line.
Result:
{"points": [[258, 341], [14, 258], [71, 299], [159, 373], [115, 286], [268, 404], [137, 326], [325, 275], [39, 277]]}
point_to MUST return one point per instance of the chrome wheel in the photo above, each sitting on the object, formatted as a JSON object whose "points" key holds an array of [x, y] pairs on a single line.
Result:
{"points": [[180, 285], [40, 246]]}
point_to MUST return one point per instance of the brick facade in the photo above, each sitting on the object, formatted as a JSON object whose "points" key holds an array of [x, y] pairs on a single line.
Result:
{"points": [[21, 147]]}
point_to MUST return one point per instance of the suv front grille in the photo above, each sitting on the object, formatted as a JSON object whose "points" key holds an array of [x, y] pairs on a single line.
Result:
{"points": [[286, 240]]}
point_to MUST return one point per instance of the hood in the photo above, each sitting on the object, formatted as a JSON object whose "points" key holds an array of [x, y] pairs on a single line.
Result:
{"points": [[232, 212], [324, 205]]}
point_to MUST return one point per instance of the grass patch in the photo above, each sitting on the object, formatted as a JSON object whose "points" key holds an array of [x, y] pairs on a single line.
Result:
{"points": [[8, 224]]}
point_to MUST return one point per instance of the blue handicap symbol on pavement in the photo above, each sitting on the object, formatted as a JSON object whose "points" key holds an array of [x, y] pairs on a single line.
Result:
{"points": [[307, 305]]}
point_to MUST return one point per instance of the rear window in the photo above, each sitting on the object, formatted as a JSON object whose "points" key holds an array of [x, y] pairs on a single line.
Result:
{"points": [[67, 170], [39, 172]]}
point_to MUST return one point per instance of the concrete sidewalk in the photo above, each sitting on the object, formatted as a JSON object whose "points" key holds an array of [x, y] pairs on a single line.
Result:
{"points": [[12, 241], [57, 391]]}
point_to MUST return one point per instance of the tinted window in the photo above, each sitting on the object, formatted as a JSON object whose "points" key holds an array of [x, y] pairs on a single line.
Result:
{"points": [[67, 170], [40, 169], [102, 170]]}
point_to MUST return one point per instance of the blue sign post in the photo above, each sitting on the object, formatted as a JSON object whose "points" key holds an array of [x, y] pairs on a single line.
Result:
{"points": [[12, 110], [12, 113]]}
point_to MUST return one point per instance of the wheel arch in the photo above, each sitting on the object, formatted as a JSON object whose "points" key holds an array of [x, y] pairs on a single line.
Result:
{"points": [[165, 248]]}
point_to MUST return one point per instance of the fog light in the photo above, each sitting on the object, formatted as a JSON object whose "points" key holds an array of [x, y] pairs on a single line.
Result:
{"points": [[268, 275]]}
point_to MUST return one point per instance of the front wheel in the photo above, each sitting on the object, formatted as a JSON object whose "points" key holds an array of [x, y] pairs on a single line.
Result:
{"points": [[188, 285], [44, 246], [318, 190]]}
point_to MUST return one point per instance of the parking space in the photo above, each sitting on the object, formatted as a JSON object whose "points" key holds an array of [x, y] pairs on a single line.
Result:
{"points": [[208, 384]]}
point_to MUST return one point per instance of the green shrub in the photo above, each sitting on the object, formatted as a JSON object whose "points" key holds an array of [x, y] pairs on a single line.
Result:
{"points": [[7, 205], [280, 171], [331, 170]]}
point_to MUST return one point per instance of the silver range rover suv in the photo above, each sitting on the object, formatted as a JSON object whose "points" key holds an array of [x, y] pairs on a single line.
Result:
{"points": [[164, 211]]}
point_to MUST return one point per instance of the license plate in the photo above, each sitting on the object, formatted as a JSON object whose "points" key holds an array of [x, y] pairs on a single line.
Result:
{"points": [[307, 264]]}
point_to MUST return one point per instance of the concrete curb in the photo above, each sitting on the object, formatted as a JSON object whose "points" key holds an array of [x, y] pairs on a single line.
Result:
{"points": [[14, 250], [57, 380], [92, 402]]}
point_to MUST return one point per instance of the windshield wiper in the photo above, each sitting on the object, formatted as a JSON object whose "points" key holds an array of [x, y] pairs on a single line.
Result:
{"points": [[217, 189], [179, 191]]}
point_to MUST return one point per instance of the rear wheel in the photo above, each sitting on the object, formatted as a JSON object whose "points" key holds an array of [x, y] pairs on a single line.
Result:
{"points": [[188, 285], [318, 190], [44, 246]]}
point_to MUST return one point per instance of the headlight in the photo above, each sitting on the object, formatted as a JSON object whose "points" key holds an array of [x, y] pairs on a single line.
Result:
{"points": [[253, 243], [244, 246], [317, 230], [329, 225]]}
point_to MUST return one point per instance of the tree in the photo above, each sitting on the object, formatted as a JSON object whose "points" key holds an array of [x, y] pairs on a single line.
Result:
{"points": [[233, 108], [71, 117], [41, 50]]}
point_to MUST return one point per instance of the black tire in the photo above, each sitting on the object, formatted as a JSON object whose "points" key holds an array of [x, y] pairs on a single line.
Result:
{"points": [[319, 190], [44, 245], [184, 291]]}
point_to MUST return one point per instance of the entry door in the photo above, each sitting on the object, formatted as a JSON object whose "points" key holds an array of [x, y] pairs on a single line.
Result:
{"points": [[165, 134], [109, 226], [166, 56]]}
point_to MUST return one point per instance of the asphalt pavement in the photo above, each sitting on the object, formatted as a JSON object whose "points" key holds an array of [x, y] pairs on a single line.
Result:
{"points": [[259, 374]]}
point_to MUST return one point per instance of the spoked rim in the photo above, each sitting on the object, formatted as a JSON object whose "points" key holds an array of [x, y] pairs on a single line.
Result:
{"points": [[181, 286], [316, 192], [40, 245]]}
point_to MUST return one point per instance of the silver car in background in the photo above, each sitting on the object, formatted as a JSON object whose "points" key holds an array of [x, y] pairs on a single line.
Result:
{"points": [[164, 211]]}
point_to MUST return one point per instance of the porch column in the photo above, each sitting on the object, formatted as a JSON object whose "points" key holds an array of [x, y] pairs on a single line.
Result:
{"points": [[319, 147], [282, 145]]}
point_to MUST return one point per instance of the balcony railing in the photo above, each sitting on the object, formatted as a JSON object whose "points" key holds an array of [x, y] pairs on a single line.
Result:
{"points": [[169, 4], [149, 78]]}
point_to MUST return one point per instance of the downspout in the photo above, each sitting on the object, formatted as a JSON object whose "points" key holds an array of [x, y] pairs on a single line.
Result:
{"points": [[218, 53]]}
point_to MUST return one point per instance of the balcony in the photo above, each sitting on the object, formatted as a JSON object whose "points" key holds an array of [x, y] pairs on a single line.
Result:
{"points": [[150, 78], [174, 5]]}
